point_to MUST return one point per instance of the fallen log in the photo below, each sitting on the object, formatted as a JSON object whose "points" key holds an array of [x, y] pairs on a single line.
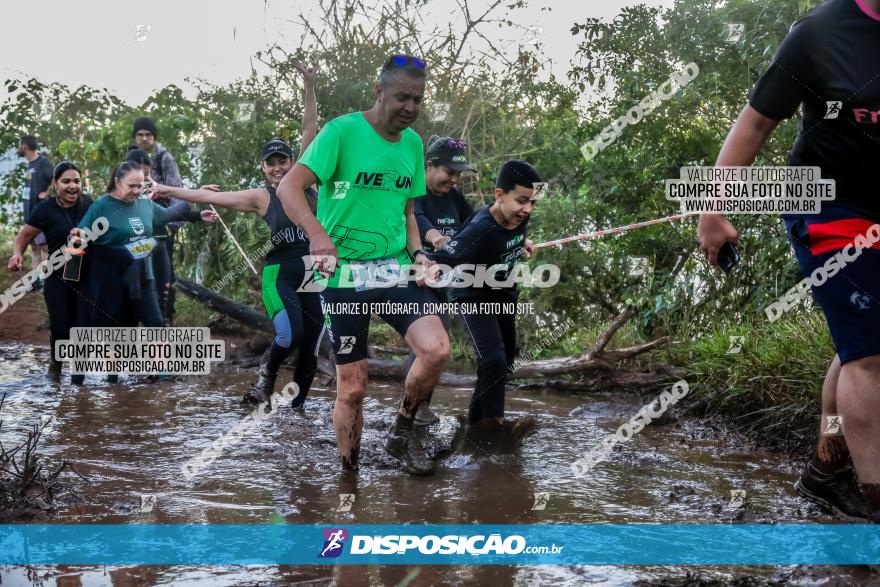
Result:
{"points": [[594, 369], [238, 312]]}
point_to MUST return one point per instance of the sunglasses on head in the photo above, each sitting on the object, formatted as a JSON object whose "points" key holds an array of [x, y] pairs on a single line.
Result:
{"points": [[456, 144], [403, 61]]}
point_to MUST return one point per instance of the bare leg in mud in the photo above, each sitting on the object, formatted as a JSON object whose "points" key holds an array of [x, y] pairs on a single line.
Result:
{"points": [[348, 417], [831, 452], [428, 341], [858, 399]]}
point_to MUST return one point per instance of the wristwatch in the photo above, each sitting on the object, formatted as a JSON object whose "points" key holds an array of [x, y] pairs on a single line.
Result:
{"points": [[417, 252]]}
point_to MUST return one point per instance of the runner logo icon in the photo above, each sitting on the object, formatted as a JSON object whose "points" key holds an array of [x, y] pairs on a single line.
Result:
{"points": [[833, 109], [833, 424], [860, 301], [341, 189], [346, 344], [334, 542]]}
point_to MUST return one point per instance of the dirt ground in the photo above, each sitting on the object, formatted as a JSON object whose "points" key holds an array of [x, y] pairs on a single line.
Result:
{"points": [[27, 319]]}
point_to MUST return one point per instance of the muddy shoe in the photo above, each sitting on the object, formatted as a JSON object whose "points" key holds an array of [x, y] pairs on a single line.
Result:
{"points": [[838, 493], [425, 416], [262, 389], [350, 463], [503, 431], [403, 444], [523, 428], [54, 370]]}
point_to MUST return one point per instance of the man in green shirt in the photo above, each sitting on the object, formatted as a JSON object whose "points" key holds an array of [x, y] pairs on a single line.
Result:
{"points": [[369, 166]]}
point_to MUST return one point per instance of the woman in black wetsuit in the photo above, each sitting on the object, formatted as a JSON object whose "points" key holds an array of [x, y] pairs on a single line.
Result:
{"points": [[297, 315]]}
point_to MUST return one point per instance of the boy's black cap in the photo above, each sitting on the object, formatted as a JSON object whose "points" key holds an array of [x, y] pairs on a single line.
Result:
{"points": [[449, 152], [276, 147]]}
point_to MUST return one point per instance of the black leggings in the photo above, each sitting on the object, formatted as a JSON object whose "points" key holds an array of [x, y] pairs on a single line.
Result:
{"points": [[164, 274], [109, 288], [298, 319], [128, 312], [66, 306], [494, 338]]}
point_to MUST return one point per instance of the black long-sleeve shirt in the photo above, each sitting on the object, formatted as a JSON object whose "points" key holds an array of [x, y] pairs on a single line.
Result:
{"points": [[484, 242], [447, 214]]}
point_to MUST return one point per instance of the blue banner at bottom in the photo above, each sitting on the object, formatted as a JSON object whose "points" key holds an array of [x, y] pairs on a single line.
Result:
{"points": [[599, 544]]}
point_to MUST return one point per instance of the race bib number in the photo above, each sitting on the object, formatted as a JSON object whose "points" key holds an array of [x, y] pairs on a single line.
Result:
{"points": [[375, 273], [141, 248]]}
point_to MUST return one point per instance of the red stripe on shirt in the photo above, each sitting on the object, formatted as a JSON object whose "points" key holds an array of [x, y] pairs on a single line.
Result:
{"points": [[867, 9], [835, 235]]}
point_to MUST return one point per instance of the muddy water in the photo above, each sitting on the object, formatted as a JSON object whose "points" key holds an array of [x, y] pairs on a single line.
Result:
{"points": [[131, 438]]}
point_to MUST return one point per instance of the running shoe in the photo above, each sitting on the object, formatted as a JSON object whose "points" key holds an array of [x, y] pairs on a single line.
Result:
{"points": [[402, 443], [838, 492], [503, 430], [262, 389], [523, 428], [54, 370], [425, 416], [350, 463]]}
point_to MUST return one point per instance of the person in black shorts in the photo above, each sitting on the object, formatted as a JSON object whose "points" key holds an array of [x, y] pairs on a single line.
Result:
{"points": [[296, 314], [370, 167], [828, 66], [440, 214], [494, 240], [55, 217]]}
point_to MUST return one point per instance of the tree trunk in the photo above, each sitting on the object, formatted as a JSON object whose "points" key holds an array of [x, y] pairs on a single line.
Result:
{"points": [[594, 369]]}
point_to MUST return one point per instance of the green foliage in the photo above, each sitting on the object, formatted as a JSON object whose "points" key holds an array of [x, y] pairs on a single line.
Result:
{"points": [[775, 381], [505, 107]]}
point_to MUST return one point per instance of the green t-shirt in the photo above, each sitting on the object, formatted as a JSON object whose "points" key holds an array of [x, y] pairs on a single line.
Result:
{"points": [[365, 182], [130, 225]]}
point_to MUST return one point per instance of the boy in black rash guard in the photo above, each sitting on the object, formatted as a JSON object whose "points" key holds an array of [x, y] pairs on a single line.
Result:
{"points": [[828, 66], [55, 217], [439, 215], [495, 236]]}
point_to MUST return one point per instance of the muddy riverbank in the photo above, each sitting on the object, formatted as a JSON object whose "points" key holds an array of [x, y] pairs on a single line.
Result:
{"points": [[130, 438]]}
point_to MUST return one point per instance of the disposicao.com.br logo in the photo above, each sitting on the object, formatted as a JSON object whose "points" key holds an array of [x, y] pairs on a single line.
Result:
{"points": [[451, 544], [334, 542]]}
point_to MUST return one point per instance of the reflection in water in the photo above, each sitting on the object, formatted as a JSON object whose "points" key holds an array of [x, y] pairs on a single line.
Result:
{"points": [[131, 438]]}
